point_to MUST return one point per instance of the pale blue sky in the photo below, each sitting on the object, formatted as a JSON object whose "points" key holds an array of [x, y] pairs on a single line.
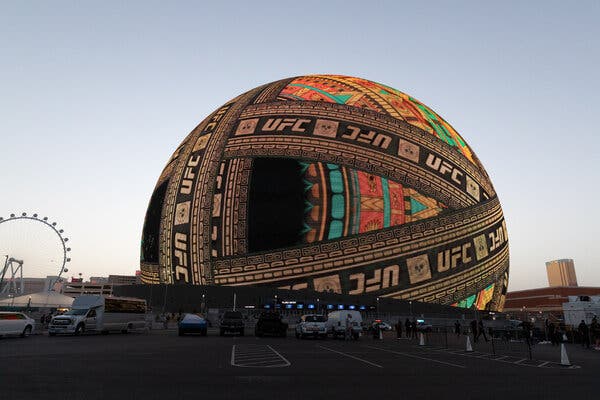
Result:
{"points": [[95, 98]]}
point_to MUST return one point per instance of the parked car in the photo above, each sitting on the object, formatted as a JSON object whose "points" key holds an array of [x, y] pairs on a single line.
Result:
{"points": [[270, 323], [384, 326], [15, 323], [192, 323], [232, 321], [312, 325]]}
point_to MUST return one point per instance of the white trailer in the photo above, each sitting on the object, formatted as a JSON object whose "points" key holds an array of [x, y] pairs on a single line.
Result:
{"points": [[337, 322], [90, 313], [581, 308]]}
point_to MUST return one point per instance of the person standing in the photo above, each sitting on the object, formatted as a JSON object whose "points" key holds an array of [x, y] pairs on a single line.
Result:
{"points": [[457, 328], [407, 326], [481, 330], [474, 330], [348, 326], [584, 332], [552, 334], [595, 333], [399, 329]]}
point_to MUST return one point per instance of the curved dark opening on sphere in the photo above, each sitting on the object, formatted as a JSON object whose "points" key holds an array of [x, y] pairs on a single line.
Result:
{"points": [[275, 204], [152, 224]]}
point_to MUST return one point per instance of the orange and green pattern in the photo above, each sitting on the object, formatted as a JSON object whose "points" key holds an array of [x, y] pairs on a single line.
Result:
{"points": [[480, 299], [374, 96]]}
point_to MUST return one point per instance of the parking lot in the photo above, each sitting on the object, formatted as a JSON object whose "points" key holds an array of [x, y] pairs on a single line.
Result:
{"points": [[162, 365]]}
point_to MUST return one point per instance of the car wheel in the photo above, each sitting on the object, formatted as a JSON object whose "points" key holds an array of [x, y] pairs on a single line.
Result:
{"points": [[203, 333], [180, 332], [26, 331], [297, 335], [259, 334], [79, 330], [51, 334]]}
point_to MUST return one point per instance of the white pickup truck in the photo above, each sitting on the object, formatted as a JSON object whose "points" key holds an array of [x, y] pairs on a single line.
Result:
{"points": [[312, 325], [100, 314]]}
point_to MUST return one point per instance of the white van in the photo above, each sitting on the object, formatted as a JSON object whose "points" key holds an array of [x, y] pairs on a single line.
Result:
{"points": [[336, 323], [90, 313]]}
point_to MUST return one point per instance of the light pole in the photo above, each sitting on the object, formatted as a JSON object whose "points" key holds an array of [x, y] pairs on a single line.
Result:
{"points": [[318, 308], [377, 307], [410, 307]]}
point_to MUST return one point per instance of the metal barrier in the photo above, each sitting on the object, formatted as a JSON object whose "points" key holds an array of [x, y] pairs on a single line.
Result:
{"points": [[495, 342]]}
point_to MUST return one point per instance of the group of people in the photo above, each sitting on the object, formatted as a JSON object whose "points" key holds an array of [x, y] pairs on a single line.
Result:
{"points": [[555, 333], [589, 333], [409, 325], [165, 318], [477, 329], [46, 318]]}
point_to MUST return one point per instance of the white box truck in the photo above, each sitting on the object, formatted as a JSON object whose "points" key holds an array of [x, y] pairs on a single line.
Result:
{"points": [[339, 321], [91, 313]]}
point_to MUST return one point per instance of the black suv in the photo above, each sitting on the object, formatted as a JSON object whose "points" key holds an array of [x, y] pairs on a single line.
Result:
{"points": [[232, 321], [270, 323]]}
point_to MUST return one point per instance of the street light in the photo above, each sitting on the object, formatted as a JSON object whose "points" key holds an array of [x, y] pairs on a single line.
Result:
{"points": [[318, 306], [378, 307], [410, 307]]}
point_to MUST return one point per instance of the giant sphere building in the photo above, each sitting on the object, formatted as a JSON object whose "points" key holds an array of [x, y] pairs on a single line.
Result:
{"points": [[331, 183]]}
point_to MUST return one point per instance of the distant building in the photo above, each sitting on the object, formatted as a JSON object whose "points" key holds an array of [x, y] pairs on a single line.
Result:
{"points": [[76, 289], [124, 279], [544, 300], [98, 279], [561, 273]]}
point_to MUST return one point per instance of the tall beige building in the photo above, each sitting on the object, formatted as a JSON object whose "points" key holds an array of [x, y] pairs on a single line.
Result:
{"points": [[561, 273]]}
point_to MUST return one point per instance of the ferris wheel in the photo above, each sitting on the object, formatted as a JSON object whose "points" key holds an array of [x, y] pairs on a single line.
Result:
{"points": [[31, 247]]}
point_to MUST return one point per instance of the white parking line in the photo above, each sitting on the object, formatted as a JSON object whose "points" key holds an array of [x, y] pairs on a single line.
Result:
{"points": [[506, 359], [414, 356], [351, 356], [258, 356]]}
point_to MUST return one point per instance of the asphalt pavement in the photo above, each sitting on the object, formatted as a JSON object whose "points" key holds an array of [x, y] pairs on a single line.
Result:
{"points": [[162, 365]]}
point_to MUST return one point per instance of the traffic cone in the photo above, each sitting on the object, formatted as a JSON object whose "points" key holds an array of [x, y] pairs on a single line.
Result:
{"points": [[564, 358], [469, 347], [421, 339]]}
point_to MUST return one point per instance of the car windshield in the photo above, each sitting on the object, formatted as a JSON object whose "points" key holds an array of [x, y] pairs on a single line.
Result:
{"points": [[270, 315], [232, 315], [81, 311], [192, 318], [315, 318]]}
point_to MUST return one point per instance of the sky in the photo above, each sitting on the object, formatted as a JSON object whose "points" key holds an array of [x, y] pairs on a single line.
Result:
{"points": [[95, 97]]}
